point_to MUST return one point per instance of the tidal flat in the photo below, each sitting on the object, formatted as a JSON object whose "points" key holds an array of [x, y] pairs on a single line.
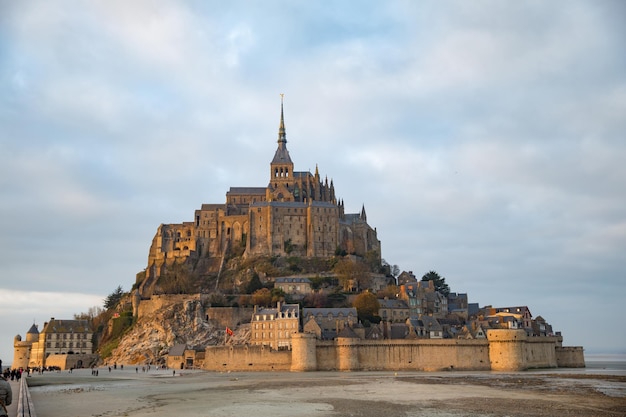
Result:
{"points": [[131, 392]]}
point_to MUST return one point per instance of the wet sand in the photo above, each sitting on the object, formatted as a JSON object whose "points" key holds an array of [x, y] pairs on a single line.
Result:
{"points": [[314, 394]]}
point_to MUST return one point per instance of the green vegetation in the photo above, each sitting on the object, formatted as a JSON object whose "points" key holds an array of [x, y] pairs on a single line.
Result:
{"points": [[113, 298], [367, 307], [439, 281]]}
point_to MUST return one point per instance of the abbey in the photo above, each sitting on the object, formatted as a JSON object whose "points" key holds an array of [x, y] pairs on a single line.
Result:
{"points": [[296, 214]]}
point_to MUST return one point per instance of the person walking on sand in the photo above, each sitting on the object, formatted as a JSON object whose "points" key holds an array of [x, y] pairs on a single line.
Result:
{"points": [[6, 396]]}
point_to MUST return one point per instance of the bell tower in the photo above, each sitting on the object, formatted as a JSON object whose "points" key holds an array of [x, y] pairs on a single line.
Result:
{"points": [[281, 168]]}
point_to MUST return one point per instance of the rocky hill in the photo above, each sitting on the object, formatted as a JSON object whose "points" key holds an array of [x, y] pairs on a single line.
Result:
{"points": [[171, 323]]}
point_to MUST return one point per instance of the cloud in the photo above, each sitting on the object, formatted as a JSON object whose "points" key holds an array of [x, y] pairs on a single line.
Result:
{"points": [[484, 139]]}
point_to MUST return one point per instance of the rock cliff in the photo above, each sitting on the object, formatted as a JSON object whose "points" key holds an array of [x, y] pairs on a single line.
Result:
{"points": [[163, 326]]}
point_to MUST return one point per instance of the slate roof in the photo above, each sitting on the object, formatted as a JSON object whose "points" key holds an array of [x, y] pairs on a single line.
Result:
{"points": [[67, 326], [345, 311], [348, 333], [283, 280], [393, 304], [247, 190], [177, 350], [399, 331]]}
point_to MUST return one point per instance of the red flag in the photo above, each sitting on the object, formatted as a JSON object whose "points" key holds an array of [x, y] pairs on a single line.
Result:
{"points": [[229, 332]]}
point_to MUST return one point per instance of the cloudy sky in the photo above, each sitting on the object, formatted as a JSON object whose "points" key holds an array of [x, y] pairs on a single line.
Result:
{"points": [[486, 140]]}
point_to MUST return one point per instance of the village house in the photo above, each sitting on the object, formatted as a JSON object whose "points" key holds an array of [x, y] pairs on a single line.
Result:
{"points": [[422, 298], [458, 305], [273, 327], [396, 311], [406, 278], [426, 327], [326, 323], [297, 287]]}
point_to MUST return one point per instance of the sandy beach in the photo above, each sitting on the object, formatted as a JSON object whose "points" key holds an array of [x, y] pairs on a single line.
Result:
{"points": [[196, 393]]}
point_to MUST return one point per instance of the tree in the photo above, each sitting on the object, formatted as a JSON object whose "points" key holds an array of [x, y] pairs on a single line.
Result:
{"points": [[262, 297], [390, 291], [277, 295], [254, 284], [113, 298], [439, 282], [315, 300], [395, 271], [352, 274], [366, 305]]}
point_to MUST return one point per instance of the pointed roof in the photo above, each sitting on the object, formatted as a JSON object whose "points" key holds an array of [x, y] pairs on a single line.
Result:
{"points": [[348, 333], [282, 154], [33, 329]]}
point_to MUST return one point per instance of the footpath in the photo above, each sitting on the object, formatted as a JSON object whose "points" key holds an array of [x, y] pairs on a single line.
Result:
{"points": [[15, 388]]}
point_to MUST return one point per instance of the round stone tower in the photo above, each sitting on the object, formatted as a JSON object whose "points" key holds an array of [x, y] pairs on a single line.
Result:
{"points": [[303, 352], [506, 349], [21, 352]]}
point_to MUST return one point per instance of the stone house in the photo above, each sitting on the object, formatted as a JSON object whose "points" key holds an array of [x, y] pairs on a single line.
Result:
{"points": [[422, 298], [330, 321], [406, 278], [180, 357], [294, 286], [436, 304], [426, 327], [273, 327], [65, 343], [458, 305], [396, 311], [522, 313], [540, 327]]}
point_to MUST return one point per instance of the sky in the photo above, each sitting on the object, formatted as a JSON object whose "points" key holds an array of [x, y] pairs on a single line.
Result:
{"points": [[486, 140]]}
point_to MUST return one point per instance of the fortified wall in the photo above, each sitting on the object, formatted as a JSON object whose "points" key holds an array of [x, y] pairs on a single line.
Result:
{"points": [[503, 350], [72, 361]]}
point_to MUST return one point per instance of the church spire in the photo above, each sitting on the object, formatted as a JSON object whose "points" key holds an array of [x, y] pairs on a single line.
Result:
{"points": [[282, 135], [281, 167]]}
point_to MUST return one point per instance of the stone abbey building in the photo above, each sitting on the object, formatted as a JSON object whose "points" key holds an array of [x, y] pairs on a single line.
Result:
{"points": [[296, 214]]}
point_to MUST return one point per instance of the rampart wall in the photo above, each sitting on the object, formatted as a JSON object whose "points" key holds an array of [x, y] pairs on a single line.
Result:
{"points": [[570, 357], [69, 361], [246, 358], [504, 350], [156, 302], [229, 316]]}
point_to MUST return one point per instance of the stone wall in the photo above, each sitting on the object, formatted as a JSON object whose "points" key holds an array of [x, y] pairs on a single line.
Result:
{"points": [[570, 357], [69, 361], [425, 355], [504, 350], [246, 358], [540, 352], [156, 302], [512, 350], [229, 316]]}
